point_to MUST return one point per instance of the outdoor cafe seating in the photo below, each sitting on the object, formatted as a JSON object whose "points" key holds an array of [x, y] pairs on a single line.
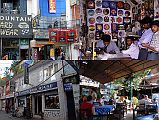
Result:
{"points": [[144, 111], [104, 112]]}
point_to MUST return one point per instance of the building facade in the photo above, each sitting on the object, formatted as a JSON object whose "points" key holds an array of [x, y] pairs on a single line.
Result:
{"points": [[49, 91], [16, 33]]}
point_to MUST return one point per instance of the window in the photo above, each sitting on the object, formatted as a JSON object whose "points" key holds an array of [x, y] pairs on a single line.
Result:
{"points": [[51, 72], [55, 68], [52, 101], [41, 75], [46, 73]]}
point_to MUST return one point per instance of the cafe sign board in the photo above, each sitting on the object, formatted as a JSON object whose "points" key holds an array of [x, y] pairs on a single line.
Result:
{"points": [[15, 26]]}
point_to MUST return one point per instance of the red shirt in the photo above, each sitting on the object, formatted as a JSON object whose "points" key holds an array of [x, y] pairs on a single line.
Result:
{"points": [[86, 108]]}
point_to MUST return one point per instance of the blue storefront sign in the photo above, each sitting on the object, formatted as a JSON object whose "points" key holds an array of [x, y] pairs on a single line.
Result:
{"points": [[68, 87], [37, 89]]}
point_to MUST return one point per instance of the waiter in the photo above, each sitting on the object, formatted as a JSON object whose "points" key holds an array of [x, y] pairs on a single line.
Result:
{"points": [[145, 38]]}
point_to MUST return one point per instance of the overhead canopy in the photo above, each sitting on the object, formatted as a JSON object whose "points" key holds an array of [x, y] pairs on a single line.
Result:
{"points": [[106, 71]]}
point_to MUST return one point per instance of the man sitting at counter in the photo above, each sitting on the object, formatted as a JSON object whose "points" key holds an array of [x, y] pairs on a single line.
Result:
{"points": [[108, 45], [133, 50]]}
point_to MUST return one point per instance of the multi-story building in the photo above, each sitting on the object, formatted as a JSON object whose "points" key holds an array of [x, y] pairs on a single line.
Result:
{"points": [[54, 15], [52, 89], [15, 29]]}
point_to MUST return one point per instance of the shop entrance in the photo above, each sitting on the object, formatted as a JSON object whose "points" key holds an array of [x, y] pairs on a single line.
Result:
{"points": [[24, 54], [38, 104], [29, 102]]}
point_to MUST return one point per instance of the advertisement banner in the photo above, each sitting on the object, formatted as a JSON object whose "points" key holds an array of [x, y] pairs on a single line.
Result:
{"points": [[52, 6], [15, 26]]}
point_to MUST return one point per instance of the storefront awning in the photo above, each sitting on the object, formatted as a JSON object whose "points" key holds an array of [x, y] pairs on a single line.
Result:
{"points": [[106, 71]]}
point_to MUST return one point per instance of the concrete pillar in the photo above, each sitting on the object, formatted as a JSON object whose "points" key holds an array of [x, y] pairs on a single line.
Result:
{"points": [[43, 102], [33, 104], [0, 104]]}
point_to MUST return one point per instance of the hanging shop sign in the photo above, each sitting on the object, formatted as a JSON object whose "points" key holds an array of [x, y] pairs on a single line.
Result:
{"points": [[68, 87], [52, 6], [15, 26], [26, 73], [62, 35], [38, 89]]}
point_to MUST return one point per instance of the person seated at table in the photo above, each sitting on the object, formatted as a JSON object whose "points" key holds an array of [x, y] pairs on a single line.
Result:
{"points": [[145, 38], [145, 100], [111, 101], [110, 46], [93, 93], [86, 108], [100, 41], [153, 47], [133, 50]]}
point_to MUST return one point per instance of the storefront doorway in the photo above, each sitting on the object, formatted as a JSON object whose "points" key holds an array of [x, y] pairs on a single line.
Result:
{"points": [[24, 54], [38, 104]]}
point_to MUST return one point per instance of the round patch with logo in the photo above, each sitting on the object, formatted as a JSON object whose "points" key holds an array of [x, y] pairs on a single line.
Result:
{"points": [[98, 3], [99, 19], [91, 27], [91, 20], [106, 27], [120, 5], [127, 6], [106, 11], [106, 19], [91, 12], [98, 11], [120, 12], [91, 35]]}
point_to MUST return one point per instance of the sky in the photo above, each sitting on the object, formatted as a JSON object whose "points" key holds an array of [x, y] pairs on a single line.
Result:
{"points": [[3, 65]]}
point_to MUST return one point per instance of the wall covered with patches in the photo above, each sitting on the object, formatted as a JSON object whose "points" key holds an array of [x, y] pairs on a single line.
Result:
{"points": [[118, 18]]}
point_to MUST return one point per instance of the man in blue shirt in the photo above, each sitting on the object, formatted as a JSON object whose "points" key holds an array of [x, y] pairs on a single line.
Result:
{"points": [[110, 46], [145, 38]]}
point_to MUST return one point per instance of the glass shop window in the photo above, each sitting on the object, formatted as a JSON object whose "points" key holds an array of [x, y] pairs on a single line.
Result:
{"points": [[52, 102]]}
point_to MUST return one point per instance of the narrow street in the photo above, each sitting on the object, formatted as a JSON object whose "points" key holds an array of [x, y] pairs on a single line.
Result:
{"points": [[4, 116]]}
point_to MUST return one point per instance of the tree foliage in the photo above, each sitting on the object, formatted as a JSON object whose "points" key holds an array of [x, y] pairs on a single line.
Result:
{"points": [[135, 78]]}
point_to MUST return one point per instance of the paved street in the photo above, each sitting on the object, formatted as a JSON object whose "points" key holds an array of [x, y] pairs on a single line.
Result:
{"points": [[4, 116]]}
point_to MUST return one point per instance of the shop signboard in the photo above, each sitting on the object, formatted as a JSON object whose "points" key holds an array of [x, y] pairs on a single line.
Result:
{"points": [[68, 87], [15, 26], [62, 35], [26, 73], [52, 6], [37, 89], [41, 34], [24, 44]]}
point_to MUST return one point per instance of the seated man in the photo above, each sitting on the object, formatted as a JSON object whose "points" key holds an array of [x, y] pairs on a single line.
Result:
{"points": [[133, 50], [110, 46]]}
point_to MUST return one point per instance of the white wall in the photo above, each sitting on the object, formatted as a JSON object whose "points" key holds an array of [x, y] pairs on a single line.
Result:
{"points": [[33, 7], [68, 13]]}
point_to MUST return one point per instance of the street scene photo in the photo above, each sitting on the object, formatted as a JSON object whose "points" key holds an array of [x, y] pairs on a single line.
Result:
{"points": [[39, 90]]}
